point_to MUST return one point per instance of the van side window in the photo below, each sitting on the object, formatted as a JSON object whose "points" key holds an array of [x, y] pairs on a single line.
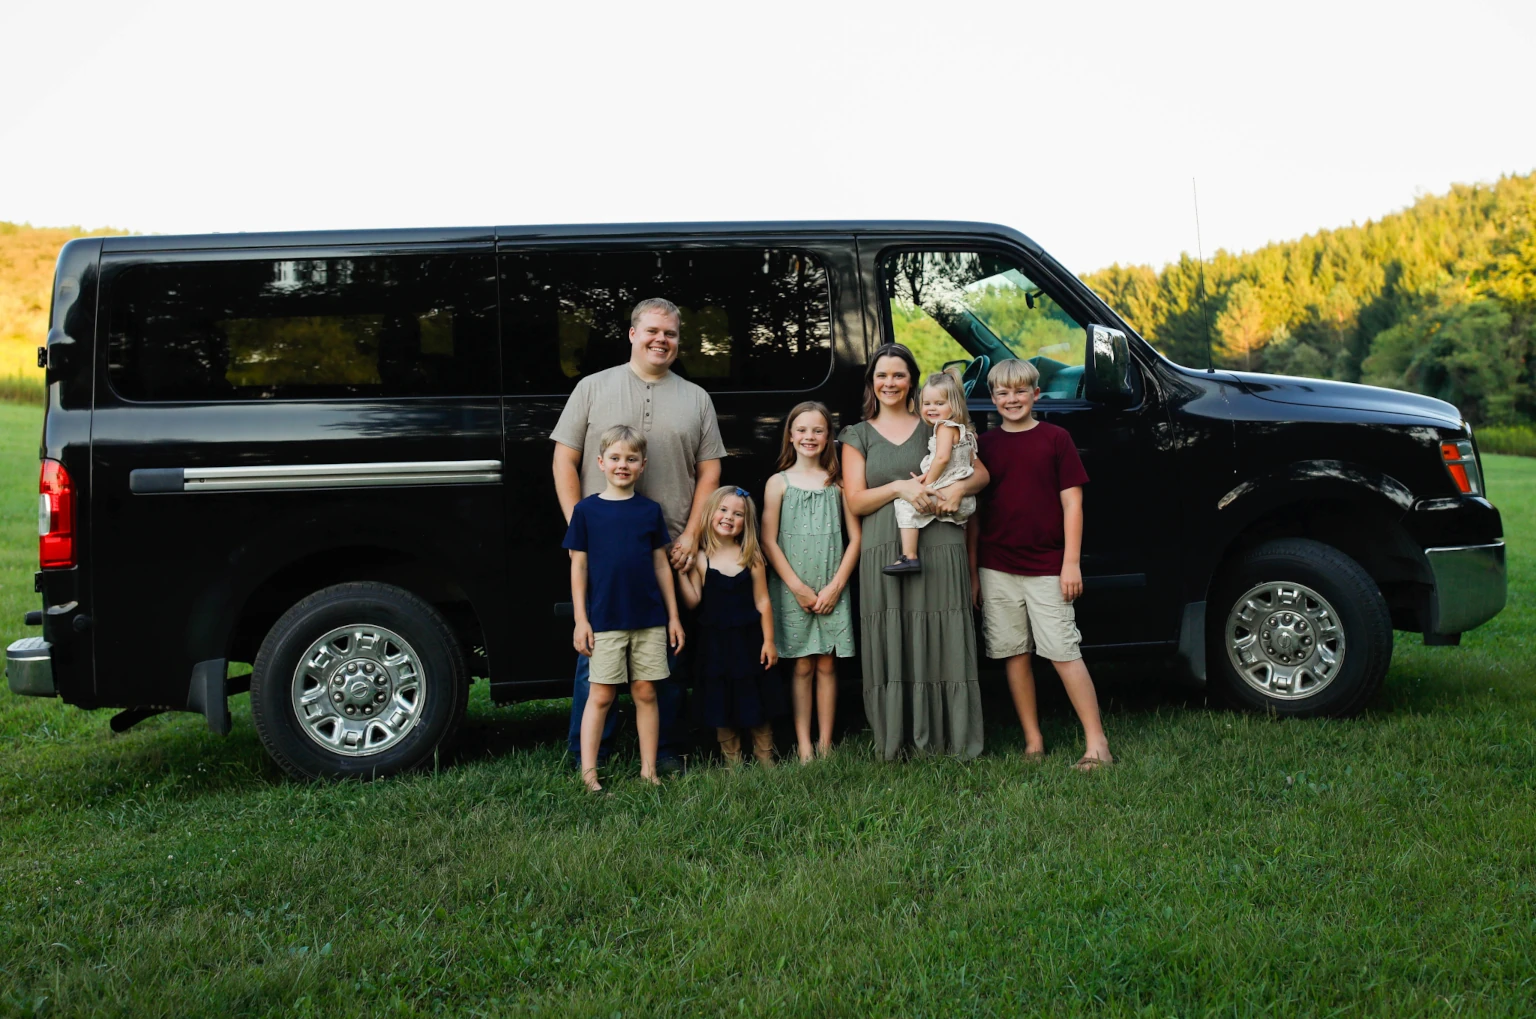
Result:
{"points": [[955, 305], [752, 318], [393, 325]]}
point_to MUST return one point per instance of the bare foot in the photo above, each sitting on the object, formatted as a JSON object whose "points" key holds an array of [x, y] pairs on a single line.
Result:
{"points": [[589, 779], [806, 756], [1034, 753], [652, 779], [823, 750], [1088, 763]]}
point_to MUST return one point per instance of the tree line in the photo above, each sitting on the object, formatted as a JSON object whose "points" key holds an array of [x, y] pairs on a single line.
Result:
{"points": [[1439, 299]]}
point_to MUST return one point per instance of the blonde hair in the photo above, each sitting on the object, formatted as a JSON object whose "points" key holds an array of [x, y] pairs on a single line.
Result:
{"points": [[953, 392], [660, 304], [631, 437], [1015, 374], [751, 553]]}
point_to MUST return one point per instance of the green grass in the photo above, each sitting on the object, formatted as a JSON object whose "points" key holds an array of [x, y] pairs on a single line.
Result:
{"points": [[1230, 866]]}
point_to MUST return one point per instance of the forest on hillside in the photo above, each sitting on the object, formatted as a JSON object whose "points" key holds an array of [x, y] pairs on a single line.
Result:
{"points": [[1439, 298]]}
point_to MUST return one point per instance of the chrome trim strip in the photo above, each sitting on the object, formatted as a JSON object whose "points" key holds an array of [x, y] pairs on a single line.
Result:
{"points": [[353, 475], [1471, 586]]}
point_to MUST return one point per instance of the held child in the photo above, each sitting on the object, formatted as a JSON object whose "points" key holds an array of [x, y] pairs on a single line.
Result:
{"points": [[1025, 550], [733, 686], [951, 451], [804, 520], [626, 609]]}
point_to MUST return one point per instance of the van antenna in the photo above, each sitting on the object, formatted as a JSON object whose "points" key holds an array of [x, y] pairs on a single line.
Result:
{"points": [[1205, 307]]}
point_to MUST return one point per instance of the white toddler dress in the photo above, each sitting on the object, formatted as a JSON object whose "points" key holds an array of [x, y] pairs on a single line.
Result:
{"points": [[961, 456]]}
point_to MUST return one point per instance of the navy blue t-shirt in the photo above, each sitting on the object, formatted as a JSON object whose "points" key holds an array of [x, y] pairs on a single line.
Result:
{"points": [[619, 537]]}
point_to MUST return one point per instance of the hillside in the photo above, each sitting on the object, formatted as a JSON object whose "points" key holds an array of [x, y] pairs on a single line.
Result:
{"points": [[27, 256], [1439, 298]]}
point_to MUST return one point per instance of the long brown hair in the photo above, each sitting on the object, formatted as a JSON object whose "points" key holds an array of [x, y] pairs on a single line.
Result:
{"points": [[872, 405], [828, 460], [751, 553]]}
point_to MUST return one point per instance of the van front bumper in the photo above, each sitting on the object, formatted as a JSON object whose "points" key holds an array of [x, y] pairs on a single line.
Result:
{"points": [[29, 667], [1471, 585]]}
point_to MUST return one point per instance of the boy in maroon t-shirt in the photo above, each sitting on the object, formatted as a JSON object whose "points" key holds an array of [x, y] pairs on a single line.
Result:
{"points": [[1025, 548]]}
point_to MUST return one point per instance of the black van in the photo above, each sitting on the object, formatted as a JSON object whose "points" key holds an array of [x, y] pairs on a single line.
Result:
{"points": [[328, 454]]}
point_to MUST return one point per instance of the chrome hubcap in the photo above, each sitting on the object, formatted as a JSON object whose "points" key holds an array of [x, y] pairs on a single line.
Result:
{"points": [[1285, 640], [358, 690]]}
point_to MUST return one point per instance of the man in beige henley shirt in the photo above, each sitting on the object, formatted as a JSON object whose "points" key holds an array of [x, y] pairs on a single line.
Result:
{"points": [[682, 466]]}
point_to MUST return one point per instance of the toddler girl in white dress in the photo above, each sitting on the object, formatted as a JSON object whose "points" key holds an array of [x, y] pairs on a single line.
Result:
{"points": [[951, 451]]}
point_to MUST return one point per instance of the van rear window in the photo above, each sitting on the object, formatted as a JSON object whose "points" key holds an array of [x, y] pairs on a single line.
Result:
{"points": [[752, 318], [392, 325]]}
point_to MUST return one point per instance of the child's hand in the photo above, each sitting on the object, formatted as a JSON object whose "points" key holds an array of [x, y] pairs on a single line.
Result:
{"points": [[826, 599], [769, 655], [1071, 581], [976, 589], [806, 597], [583, 640], [675, 635]]}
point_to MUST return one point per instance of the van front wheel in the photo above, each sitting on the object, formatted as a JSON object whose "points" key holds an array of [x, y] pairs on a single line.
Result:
{"points": [[1298, 628], [359, 680]]}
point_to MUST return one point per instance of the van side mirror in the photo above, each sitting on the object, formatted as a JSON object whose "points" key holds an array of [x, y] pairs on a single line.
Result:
{"points": [[1108, 378]]}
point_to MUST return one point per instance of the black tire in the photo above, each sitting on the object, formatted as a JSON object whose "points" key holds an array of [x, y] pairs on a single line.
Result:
{"points": [[1361, 614], [438, 677]]}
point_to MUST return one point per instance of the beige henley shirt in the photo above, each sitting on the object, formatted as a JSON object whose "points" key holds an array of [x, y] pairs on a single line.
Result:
{"points": [[675, 415]]}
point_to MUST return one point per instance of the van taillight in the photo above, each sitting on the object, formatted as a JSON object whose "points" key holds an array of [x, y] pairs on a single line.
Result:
{"points": [[55, 517], [1462, 463]]}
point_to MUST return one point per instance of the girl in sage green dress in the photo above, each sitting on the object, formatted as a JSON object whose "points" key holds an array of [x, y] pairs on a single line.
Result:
{"points": [[804, 520], [917, 639]]}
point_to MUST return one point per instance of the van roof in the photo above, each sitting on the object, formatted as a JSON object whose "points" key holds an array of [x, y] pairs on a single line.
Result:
{"points": [[471, 235]]}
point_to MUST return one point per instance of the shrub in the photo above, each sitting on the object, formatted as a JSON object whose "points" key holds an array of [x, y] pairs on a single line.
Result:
{"points": [[23, 389], [1517, 439]]}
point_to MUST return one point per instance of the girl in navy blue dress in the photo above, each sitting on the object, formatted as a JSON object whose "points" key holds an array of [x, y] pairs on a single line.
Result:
{"points": [[735, 683]]}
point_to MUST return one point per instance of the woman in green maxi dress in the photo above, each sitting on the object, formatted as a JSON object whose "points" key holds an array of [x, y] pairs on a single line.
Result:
{"points": [[917, 636]]}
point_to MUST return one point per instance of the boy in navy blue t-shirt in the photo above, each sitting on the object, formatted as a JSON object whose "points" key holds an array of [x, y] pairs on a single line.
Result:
{"points": [[626, 608]]}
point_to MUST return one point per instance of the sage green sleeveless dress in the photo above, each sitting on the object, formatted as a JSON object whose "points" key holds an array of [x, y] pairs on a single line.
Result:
{"points": [[917, 638], [811, 535]]}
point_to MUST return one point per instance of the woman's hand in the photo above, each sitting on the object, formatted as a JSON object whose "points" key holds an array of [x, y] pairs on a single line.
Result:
{"points": [[914, 492], [806, 597], [946, 501], [769, 655], [826, 598]]}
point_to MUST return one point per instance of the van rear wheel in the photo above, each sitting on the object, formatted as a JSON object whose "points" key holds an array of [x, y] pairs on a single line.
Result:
{"points": [[359, 680], [1298, 628]]}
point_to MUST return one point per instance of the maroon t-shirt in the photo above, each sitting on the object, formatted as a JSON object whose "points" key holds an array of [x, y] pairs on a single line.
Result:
{"points": [[1023, 530]]}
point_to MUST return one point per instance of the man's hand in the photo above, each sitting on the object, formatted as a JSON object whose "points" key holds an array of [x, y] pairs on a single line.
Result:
{"points": [[976, 589], [1071, 581], [826, 598], [769, 656], [675, 635], [683, 550], [584, 640]]}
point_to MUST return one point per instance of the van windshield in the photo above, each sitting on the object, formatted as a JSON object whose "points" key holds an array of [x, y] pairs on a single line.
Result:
{"points": [[949, 306]]}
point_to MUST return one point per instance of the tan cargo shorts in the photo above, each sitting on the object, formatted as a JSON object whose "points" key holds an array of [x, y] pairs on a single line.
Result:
{"points": [[619, 656], [1024, 614]]}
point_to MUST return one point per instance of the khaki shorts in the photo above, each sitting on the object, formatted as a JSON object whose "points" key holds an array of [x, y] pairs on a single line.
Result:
{"points": [[619, 656], [1024, 614]]}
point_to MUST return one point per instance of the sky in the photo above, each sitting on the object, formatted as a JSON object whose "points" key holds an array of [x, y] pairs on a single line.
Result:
{"points": [[1084, 128]]}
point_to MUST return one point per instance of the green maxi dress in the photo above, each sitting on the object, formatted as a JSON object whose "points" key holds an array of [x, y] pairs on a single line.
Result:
{"points": [[917, 636], [811, 535]]}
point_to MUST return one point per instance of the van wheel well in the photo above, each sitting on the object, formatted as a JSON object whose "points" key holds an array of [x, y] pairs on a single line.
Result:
{"points": [[303, 577], [1369, 536]]}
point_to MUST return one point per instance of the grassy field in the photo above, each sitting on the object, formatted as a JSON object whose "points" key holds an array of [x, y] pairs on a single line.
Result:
{"points": [[1230, 866]]}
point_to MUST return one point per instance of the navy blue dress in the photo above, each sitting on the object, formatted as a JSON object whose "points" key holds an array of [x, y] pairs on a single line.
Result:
{"points": [[731, 689]]}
